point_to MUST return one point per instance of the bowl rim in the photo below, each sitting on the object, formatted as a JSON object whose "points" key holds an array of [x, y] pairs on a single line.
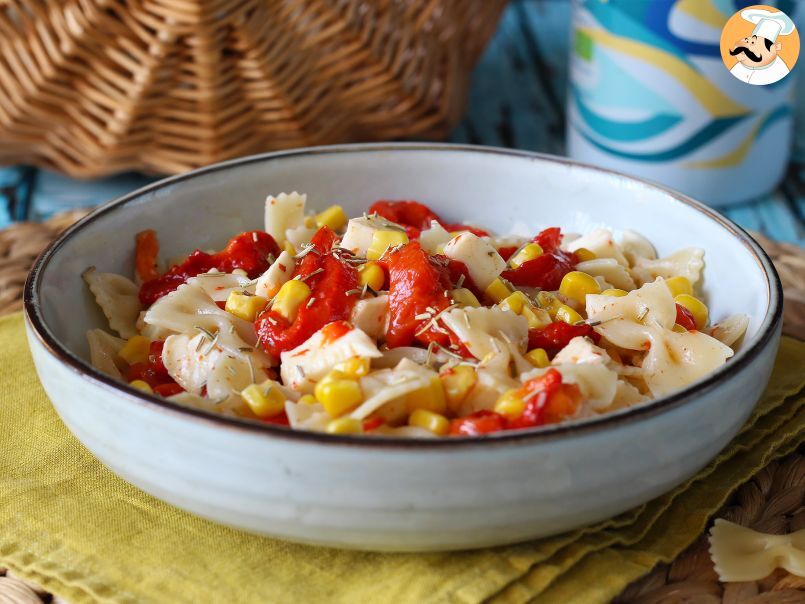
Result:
{"points": [[766, 331]]}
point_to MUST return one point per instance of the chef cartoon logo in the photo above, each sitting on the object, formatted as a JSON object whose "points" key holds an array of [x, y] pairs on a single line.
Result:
{"points": [[760, 45]]}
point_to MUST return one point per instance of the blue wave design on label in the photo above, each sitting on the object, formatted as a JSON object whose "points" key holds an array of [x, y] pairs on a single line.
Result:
{"points": [[705, 135], [624, 131]]}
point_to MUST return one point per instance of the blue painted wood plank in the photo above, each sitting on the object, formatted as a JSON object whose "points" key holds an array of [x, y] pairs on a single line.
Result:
{"points": [[57, 193], [746, 216], [779, 221], [508, 104], [16, 184]]}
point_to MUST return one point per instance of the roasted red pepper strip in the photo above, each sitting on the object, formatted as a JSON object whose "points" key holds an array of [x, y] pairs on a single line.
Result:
{"points": [[145, 255], [536, 392], [563, 404], [547, 270], [685, 318], [406, 213], [556, 336], [153, 372], [456, 269], [277, 420], [167, 390], [248, 251], [373, 423], [329, 280], [507, 251], [549, 239], [416, 287], [455, 226], [478, 423], [548, 401], [416, 217]]}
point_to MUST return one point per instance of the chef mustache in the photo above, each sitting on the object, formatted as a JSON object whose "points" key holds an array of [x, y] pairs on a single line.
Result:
{"points": [[752, 56]]}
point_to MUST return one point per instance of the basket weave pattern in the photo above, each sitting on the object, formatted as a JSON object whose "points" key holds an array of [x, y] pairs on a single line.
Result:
{"points": [[91, 87]]}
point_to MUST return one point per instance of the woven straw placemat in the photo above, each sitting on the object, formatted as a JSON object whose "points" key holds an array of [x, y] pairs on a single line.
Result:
{"points": [[773, 501]]}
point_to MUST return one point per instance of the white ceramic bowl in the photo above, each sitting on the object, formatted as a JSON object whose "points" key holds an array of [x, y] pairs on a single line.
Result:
{"points": [[395, 494]]}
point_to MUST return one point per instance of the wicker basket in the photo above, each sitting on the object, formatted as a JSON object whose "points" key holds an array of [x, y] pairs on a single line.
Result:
{"points": [[91, 87]]}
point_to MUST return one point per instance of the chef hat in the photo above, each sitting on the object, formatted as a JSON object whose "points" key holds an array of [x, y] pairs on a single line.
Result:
{"points": [[769, 24]]}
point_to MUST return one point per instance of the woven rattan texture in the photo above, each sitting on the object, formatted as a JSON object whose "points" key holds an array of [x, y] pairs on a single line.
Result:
{"points": [[91, 87], [773, 501]]}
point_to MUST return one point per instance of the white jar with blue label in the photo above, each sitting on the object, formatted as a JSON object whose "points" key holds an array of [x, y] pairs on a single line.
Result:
{"points": [[650, 96]]}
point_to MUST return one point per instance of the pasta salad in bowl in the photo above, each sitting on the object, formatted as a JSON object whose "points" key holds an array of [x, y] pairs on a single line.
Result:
{"points": [[531, 346], [398, 323]]}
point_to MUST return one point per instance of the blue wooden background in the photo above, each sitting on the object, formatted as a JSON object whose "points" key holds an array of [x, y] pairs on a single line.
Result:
{"points": [[517, 100]]}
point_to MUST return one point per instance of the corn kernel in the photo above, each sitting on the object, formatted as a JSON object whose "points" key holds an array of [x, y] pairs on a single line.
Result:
{"points": [[515, 302], [583, 254], [353, 368], [288, 247], [497, 290], [614, 292], [457, 383], [372, 274], [430, 398], [344, 425], [519, 304], [696, 307], [678, 328], [264, 400], [333, 217], [135, 350], [244, 306], [307, 399], [528, 252], [290, 297], [568, 315], [141, 385], [537, 317], [577, 285], [383, 240], [338, 396], [433, 422], [679, 285], [510, 405], [547, 300], [464, 297], [334, 374], [538, 358], [310, 221]]}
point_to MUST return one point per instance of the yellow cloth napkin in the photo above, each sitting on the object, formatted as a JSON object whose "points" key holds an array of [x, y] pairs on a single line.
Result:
{"points": [[69, 524]]}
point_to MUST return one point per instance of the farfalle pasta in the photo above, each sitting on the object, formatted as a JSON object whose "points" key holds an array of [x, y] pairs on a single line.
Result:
{"points": [[399, 323], [741, 554]]}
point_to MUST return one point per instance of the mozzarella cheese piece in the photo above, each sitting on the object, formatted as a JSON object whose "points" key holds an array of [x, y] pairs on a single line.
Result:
{"points": [[283, 212], [484, 264], [309, 362], [483, 329], [434, 238], [270, 282], [360, 232], [188, 360], [299, 236], [371, 315]]}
